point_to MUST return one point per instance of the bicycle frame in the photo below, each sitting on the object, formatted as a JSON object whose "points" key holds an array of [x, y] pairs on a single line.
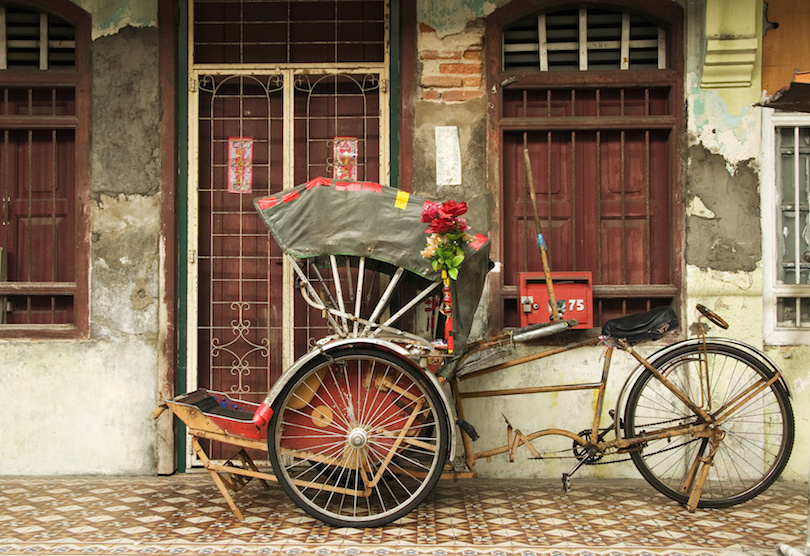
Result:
{"points": [[707, 428], [352, 329], [346, 324]]}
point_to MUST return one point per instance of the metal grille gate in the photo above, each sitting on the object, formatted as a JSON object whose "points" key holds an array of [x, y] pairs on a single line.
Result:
{"points": [[245, 324]]}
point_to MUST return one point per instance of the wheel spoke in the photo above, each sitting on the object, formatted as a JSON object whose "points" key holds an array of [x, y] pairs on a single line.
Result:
{"points": [[367, 446], [756, 424]]}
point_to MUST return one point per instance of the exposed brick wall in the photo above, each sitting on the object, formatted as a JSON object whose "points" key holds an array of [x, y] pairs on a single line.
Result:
{"points": [[452, 66]]}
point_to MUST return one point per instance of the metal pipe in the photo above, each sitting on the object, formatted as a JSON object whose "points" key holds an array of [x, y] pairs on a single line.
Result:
{"points": [[530, 390], [532, 334], [385, 296], [412, 303], [522, 360]]}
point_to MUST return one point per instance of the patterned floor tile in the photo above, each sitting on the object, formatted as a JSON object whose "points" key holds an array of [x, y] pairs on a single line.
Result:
{"points": [[185, 515]]}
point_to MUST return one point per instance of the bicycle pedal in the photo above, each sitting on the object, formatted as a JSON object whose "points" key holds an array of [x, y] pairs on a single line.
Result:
{"points": [[566, 481], [467, 428]]}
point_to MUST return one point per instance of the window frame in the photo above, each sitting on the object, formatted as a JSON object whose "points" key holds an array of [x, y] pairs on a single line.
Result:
{"points": [[670, 19], [772, 120], [79, 78]]}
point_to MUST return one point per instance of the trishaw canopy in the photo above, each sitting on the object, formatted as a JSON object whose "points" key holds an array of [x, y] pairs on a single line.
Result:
{"points": [[364, 219]]}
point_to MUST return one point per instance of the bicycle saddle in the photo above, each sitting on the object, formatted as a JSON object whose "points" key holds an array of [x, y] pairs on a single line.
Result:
{"points": [[642, 326]]}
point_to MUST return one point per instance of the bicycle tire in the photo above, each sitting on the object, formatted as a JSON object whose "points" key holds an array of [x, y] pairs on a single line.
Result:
{"points": [[335, 424], [758, 435]]}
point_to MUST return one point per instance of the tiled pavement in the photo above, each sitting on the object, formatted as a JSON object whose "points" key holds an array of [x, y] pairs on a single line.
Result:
{"points": [[185, 514]]}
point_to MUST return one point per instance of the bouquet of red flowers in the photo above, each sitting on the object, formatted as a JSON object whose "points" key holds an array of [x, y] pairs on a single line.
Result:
{"points": [[447, 229]]}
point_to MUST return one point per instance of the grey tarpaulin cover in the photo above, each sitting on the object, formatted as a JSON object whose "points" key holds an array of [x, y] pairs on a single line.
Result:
{"points": [[324, 217]]}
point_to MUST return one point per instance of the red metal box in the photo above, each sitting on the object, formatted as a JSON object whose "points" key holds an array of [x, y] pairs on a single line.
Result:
{"points": [[574, 293]]}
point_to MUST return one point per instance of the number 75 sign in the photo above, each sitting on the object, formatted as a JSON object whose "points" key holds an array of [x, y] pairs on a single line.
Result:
{"points": [[574, 293]]}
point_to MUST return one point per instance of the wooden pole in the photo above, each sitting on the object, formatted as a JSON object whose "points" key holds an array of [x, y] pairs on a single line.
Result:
{"points": [[541, 242]]}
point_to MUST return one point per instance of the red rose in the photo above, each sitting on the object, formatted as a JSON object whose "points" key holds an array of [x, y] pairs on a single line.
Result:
{"points": [[430, 212], [442, 224], [452, 208]]}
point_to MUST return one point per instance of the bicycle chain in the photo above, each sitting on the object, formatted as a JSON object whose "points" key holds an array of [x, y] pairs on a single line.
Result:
{"points": [[608, 453], [661, 451]]}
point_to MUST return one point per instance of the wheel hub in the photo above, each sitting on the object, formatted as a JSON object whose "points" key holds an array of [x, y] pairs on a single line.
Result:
{"points": [[358, 438]]}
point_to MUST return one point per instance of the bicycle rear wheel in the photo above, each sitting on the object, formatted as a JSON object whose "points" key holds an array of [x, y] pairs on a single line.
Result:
{"points": [[358, 439], [758, 429]]}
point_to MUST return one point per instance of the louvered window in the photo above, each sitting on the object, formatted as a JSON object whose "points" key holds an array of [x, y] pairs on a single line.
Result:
{"points": [[33, 40], [43, 131], [583, 39], [592, 96]]}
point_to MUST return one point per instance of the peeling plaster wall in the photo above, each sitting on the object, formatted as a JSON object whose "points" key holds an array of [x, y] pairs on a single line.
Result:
{"points": [[84, 407], [722, 235], [449, 18], [110, 16], [723, 248], [723, 244]]}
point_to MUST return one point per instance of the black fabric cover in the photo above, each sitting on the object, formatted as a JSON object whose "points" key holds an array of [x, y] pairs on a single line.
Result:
{"points": [[324, 217], [642, 326]]}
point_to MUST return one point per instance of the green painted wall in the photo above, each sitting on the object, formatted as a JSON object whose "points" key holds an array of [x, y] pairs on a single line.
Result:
{"points": [[451, 17], [111, 16]]}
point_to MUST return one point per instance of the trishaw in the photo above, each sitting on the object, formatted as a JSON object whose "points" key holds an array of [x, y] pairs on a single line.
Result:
{"points": [[359, 430]]}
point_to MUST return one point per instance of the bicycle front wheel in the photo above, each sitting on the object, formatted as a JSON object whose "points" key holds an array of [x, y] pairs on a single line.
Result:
{"points": [[723, 380], [358, 439]]}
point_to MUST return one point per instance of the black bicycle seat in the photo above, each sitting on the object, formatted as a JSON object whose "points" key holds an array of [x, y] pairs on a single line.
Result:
{"points": [[642, 326]]}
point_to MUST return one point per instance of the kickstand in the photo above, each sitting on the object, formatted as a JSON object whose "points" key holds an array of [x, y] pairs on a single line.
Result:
{"points": [[566, 477]]}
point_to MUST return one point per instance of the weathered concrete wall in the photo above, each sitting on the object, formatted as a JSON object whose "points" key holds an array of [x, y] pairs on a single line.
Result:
{"points": [[723, 247], [450, 93], [126, 107], [470, 118], [78, 407], [726, 237], [723, 233]]}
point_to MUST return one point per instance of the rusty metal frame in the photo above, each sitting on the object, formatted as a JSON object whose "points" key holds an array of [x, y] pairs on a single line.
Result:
{"points": [[708, 428]]}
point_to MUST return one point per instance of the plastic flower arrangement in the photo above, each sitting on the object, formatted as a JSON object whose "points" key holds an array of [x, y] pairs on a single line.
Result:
{"points": [[447, 229]]}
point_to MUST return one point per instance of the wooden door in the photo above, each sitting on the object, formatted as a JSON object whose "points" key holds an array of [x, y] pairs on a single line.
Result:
{"points": [[240, 331], [38, 223]]}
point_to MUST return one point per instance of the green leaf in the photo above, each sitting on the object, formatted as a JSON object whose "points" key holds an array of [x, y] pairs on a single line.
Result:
{"points": [[453, 273], [457, 260]]}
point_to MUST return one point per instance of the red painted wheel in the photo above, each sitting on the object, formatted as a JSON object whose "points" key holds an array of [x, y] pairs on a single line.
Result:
{"points": [[358, 439]]}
